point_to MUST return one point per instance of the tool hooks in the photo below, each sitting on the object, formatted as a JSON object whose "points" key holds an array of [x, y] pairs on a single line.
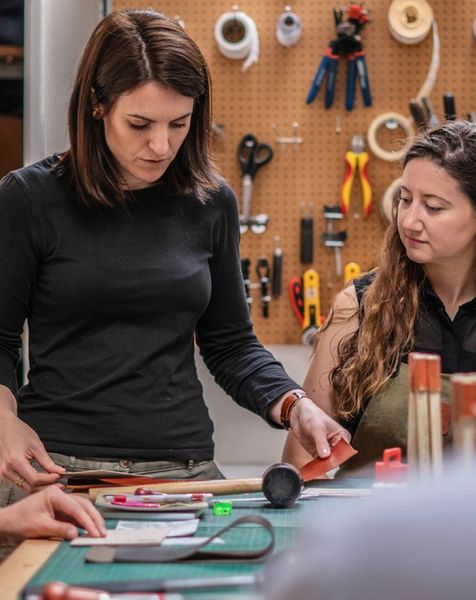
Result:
{"points": [[282, 141], [263, 272]]}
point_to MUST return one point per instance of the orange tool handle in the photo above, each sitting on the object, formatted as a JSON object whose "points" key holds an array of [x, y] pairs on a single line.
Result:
{"points": [[363, 160], [350, 166]]}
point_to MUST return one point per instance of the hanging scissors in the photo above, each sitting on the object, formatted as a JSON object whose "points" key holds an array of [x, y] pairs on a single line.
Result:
{"points": [[252, 156]]}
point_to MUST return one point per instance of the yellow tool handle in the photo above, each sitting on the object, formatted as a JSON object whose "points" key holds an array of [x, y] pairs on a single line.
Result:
{"points": [[363, 160], [311, 302], [351, 271], [350, 166]]}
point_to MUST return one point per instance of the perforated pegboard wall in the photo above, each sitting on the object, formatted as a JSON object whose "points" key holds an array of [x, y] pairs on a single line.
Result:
{"points": [[275, 90]]}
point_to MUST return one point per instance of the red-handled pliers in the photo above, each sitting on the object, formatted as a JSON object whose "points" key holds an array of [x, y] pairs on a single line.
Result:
{"points": [[296, 298]]}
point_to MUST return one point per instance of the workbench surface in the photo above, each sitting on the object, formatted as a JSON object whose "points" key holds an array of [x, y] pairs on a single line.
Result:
{"points": [[39, 561]]}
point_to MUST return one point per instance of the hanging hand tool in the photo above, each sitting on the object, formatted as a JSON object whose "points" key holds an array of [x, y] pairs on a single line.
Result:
{"points": [[348, 43], [245, 270], [262, 270], [334, 239], [328, 67], [356, 160], [311, 306], [307, 234], [277, 268], [357, 69], [431, 119], [351, 271], [417, 111], [252, 156], [449, 106], [296, 298]]}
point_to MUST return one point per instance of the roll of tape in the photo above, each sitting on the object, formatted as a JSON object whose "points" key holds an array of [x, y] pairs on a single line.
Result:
{"points": [[236, 36], [409, 21], [388, 199], [288, 29], [397, 120]]}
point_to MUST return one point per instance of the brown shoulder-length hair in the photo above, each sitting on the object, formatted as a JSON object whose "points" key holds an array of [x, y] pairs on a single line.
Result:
{"points": [[127, 49], [390, 305]]}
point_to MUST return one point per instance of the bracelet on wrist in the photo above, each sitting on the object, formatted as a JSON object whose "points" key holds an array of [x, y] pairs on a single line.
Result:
{"points": [[287, 406]]}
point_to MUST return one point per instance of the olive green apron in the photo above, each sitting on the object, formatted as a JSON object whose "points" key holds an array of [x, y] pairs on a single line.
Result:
{"points": [[384, 424]]}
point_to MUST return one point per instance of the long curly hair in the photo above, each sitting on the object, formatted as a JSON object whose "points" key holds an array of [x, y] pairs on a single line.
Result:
{"points": [[390, 305]]}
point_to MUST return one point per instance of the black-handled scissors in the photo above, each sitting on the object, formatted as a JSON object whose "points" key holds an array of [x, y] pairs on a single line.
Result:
{"points": [[252, 155]]}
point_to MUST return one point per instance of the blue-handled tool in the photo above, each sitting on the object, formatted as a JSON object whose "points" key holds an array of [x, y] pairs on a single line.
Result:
{"points": [[357, 70], [348, 24], [328, 66]]}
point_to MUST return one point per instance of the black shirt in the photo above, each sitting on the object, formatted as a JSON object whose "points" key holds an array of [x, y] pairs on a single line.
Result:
{"points": [[113, 299], [454, 340]]}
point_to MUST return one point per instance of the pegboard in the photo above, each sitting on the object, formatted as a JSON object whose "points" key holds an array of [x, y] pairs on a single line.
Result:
{"points": [[275, 90]]}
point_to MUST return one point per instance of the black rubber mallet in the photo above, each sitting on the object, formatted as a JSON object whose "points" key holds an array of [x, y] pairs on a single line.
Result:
{"points": [[282, 484]]}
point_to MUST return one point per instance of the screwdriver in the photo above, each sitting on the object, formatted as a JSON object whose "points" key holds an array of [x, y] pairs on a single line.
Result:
{"points": [[307, 227], [277, 268], [449, 106]]}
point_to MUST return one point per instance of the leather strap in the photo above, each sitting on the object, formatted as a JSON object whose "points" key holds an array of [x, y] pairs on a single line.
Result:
{"points": [[287, 406], [165, 554]]}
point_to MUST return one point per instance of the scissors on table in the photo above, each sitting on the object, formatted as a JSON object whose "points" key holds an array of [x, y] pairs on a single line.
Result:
{"points": [[251, 155]]}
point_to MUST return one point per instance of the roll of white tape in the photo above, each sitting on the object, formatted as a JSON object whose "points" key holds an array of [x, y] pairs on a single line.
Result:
{"points": [[396, 120], [236, 36], [388, 199], [410, 21], [288, 29]]}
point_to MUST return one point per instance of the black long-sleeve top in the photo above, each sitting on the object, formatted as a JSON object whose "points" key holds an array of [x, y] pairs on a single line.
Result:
{"points": [[114, 299]]}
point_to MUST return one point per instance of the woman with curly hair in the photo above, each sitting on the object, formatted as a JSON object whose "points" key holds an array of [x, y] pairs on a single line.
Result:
{"points": [[420, 298]]}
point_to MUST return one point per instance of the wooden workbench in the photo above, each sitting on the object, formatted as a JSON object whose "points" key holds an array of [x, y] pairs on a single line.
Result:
{"points": [[22, 564], [37, 562]]}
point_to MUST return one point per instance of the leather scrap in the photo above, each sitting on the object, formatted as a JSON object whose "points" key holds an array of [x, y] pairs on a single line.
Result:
{"points": [[318, 467], [166, 554]]}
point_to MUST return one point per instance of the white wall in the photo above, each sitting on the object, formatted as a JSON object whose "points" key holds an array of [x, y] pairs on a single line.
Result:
{"points": [[56, 32], [241, 437]]}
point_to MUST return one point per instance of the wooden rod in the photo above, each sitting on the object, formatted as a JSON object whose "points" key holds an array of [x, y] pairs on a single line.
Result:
{"points": [[214, 486]]}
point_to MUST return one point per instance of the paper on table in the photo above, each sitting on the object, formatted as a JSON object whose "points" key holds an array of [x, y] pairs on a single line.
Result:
{"points": [[133, 537], [174, 528]]}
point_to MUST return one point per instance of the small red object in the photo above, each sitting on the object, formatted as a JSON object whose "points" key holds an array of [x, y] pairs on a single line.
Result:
{"points": [[318, 467], [143, 491], [391, 470]]}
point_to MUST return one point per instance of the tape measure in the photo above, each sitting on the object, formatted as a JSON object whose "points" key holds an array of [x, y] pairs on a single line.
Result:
{"points": [[409, 21], [391, 120]]}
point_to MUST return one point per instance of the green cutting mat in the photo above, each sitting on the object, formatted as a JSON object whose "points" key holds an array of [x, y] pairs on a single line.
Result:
{"points": [[67, 563]]}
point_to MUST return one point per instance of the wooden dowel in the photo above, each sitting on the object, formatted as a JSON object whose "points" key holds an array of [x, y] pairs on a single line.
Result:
{"points": [[214, 486], [433, 371], [464, 398]]}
